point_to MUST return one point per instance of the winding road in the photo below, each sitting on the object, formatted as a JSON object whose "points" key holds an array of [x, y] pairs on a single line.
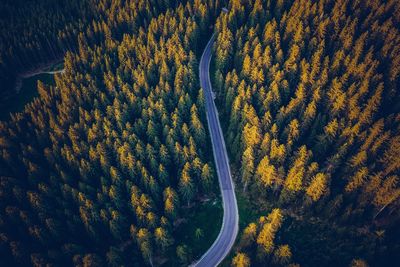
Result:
{"points": [[227, 235]]}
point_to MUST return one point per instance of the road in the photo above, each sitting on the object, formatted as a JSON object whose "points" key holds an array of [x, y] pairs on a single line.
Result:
{"points": [[227, 235], [54, 71]]}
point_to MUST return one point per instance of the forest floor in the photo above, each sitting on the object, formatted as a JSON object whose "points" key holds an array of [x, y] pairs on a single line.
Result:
{"points": [[26, 88], [51, 67], [206, 215]]}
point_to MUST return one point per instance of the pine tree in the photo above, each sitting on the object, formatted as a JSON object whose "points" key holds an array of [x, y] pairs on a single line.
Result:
{"points": [[294, 179], [186, 186], [317, 187], [267, 172], [282, 255], [241, 260], [248, 166], [266, 237], [162, 238], [249, 235]]}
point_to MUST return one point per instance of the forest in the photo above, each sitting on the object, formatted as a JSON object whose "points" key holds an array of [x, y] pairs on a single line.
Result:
{"points": [[101, 168], [310, 100], [97, 169], [35, 32]]}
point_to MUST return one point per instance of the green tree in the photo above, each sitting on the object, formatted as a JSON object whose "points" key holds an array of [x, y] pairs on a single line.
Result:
{"points": [[186, 186]]}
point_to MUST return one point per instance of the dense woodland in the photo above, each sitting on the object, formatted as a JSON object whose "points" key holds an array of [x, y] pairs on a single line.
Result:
{"points": [[309, 93], [96, 170], [35, 32]]}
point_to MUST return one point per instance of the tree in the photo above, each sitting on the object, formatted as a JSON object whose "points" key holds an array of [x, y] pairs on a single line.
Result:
{"points": [[143, 238], [317, 187], [186, 186], [357, 180], [266, 172], [249, 235], [282, 255], [170, 201], [294, 179], [246, 69], [198, 233], [290, 64], [390, 160], [294, 131], [251, 135], [206, 177], [162, 238], [277, 151], [336, 96], [386, 194], [92, 260], [247, 167], [241, 260], [197, 127], [182, 253], [266, 237], [358, 263]]}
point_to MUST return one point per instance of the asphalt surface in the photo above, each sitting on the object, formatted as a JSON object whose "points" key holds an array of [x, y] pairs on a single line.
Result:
{"points": [[227, 235]]}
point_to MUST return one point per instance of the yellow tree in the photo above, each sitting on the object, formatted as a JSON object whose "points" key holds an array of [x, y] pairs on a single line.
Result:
{"points": [[246, 69], [170, 201], [271, 225], [186, 186], [247, 166], [391, 159], [294, 179], [277, 151], [357, 180], [241, 260], [282, 255], [251, 135], [206, 177], [387, 193], [293, 131], [332, 128], [162, 238], [336, 96], [317, 186], [291, 62], [249, 235], [144, 239], [266, 172]]}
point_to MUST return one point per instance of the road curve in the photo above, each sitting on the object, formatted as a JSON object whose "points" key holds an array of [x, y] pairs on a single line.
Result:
{"points": [[227, 235]]}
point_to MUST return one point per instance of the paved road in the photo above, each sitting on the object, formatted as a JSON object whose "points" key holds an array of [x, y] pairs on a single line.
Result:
{"points": [[54, 71], [227, 235]]}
